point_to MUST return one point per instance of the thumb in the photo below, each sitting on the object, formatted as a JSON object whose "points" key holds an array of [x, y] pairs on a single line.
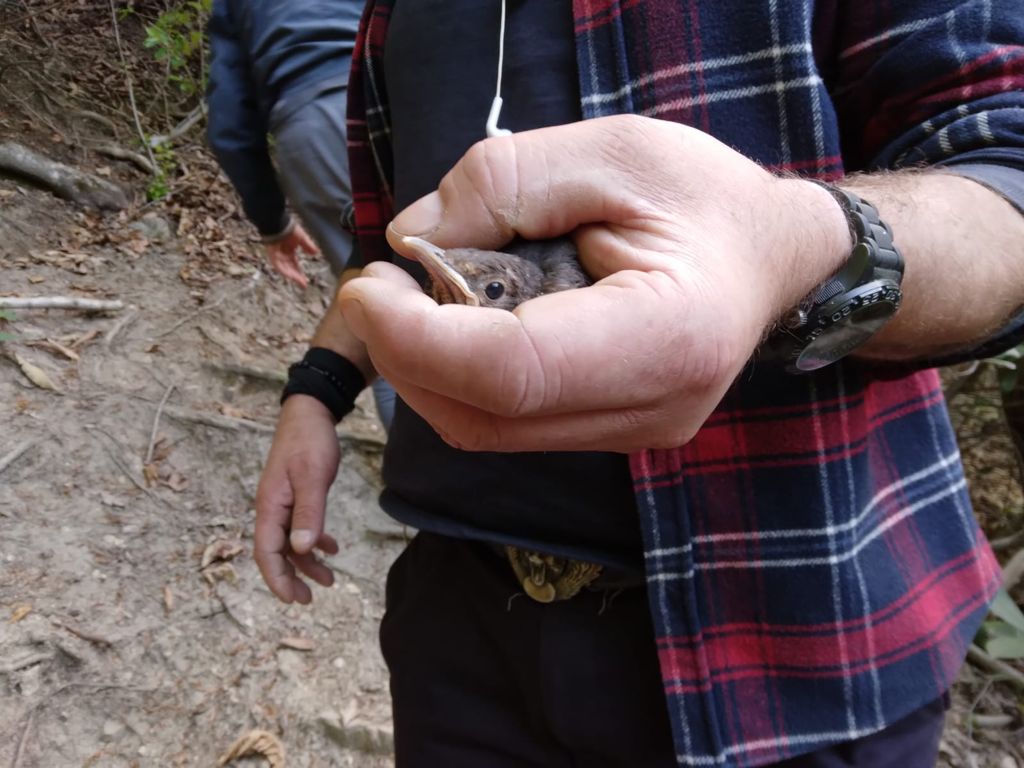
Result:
{"points": [[307, 523], [536, 184]]}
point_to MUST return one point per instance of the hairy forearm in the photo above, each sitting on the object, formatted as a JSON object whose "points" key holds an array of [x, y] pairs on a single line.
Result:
{"points": [[964, 250]]}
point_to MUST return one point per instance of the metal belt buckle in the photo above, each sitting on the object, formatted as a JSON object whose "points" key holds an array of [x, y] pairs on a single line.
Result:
{"points": [[547, 578]]}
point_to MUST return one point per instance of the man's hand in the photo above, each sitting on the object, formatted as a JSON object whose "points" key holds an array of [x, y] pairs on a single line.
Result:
{"points": [[284, 254], [696, 249], [290, 501]]}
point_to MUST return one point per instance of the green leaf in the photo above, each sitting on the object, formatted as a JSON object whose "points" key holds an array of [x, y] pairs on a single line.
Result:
{"points": [[1007, 610], [1006, 647], [7, 315]]}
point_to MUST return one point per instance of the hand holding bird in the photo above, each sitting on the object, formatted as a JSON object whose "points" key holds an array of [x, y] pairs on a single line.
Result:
{"points": [[693, 253]]}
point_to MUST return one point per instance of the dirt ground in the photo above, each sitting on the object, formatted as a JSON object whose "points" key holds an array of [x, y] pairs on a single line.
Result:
{"points": [[136, 630], [117, 647]]}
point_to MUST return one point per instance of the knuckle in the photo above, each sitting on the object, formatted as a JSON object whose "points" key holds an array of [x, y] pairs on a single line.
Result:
{"points": [[489, 170]]}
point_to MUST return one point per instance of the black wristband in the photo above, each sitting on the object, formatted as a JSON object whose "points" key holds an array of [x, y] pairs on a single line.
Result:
{"points": [[327, 376]]}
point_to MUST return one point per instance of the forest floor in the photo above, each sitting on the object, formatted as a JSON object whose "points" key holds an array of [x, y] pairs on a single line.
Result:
{"points": [[134, 627]]}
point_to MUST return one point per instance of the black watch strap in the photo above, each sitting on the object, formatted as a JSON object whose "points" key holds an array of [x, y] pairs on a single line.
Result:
{"points": [[867, 227], [870, 277]]}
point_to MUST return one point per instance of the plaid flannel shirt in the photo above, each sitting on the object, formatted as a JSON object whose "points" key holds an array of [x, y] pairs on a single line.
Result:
{"points": [[814, 569]]}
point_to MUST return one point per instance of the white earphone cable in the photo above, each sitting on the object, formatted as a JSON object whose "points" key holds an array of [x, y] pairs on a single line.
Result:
{"points": [[492, 118]]}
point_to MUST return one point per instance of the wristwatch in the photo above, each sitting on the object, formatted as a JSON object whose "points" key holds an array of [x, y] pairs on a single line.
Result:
{"points": [[851, 306]]}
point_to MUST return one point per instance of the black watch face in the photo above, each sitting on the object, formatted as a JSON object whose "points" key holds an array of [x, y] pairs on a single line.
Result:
{"points": [[851, 325]]}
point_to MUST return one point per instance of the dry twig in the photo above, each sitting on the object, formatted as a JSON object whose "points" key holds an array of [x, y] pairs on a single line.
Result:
{"points": [[85, 634], [131, 88], [216, 420], [274, 377], [108, 340], [24, 739], [186, 125], [117, 463], [120, 153], [156, 423], [60, 302], [15, 454], [982, 659]]}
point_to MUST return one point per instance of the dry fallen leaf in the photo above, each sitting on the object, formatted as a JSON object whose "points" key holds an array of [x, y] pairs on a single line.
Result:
{"points": [[176, 482], [220, 572], [256, 743], [109, 500], [36, 279], [151, 474], [168, 598], [296, 643], [57, 347], [85, 339], [234, 413], [20, 612], [35, 374], [221, 549]]}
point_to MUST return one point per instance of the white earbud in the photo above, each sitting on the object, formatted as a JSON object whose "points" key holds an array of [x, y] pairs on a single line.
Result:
{"points": [[492, 118]]}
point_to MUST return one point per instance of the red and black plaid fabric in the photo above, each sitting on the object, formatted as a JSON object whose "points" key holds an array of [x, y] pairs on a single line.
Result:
{"points": [[814, 569]]}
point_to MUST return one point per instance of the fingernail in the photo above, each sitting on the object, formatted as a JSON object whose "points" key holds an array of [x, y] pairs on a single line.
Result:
{"points": [[420, 218], [302, 541]]}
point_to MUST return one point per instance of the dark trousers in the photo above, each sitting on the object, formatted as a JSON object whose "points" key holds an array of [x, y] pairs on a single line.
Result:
{"points": [[484, 677]]}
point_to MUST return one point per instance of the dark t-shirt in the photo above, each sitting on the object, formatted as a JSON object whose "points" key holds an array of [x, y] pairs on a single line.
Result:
{"points": [[440, 67]]}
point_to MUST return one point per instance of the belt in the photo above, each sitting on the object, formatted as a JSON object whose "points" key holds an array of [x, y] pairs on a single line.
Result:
{"points": [[549, 578]]}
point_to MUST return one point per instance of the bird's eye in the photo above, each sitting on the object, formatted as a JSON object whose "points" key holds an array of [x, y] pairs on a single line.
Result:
{"points": [[494, 291]]}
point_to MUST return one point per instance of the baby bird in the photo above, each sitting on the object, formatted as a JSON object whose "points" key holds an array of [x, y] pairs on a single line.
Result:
{"points": [[500, 279]]}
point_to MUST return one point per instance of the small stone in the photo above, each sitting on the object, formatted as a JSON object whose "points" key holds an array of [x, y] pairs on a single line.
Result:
{"points": [[152, 227], [111, 729]]}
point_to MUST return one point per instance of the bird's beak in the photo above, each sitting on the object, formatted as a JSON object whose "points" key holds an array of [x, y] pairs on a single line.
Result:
{"points": [[449, 287]]}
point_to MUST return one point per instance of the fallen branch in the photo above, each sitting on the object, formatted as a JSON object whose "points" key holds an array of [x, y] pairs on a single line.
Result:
{"points": [[274, 377], [1001, 668], [16, 454], [218, 421], [63, 180], [156, 423], [120, 153], [60, 302], [186, 125]]}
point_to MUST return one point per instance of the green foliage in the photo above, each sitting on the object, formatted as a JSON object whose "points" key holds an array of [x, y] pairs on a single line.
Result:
{"points": [[177, 38], [1010, 364], [166, 162], [6, 316], [1002, 637]]}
